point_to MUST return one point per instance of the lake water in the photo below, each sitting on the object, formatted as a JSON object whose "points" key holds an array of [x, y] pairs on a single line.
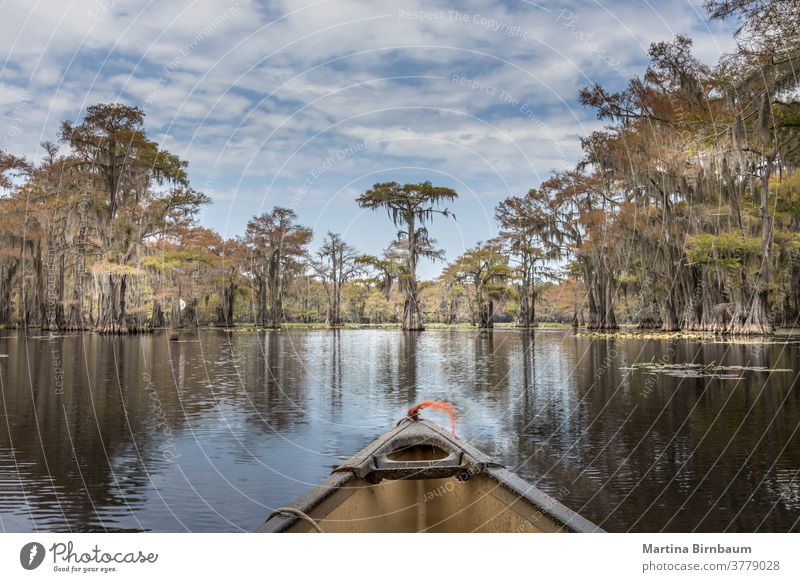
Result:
{"points": [[212, 432]]}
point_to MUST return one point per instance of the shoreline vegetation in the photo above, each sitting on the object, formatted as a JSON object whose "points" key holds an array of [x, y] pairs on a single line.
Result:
{"points": [[683, 216], [625, 331], [250, 327]]}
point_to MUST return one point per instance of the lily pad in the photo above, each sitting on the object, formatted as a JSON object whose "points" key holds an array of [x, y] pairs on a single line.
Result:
{"points": [[710, 370]]}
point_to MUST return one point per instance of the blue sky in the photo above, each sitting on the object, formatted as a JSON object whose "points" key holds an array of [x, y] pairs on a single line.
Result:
{"points": [[306, 104]]}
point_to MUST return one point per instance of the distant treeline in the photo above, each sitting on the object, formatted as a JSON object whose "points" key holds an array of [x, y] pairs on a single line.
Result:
{"points": [[683, 214]]}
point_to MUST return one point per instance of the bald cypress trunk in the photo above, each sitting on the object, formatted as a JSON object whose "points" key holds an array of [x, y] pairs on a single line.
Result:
{"points": [[593, 320], [274, 314], [603, 317], [75, 320], [112, 317], [609, 317], [412, 314], [527, 299], [157, 319], [225, 308], [412, 318], [261, 301], [756, 319], [33, 291], [7, 274], [669, 319], [650, 317]]}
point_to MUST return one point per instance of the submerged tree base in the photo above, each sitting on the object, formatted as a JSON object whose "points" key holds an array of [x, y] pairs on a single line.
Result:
{"points": [[123, 329], [764, 329]]}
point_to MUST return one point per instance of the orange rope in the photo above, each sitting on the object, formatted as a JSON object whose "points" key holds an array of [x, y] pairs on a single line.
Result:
{"points": [[414, 411]]}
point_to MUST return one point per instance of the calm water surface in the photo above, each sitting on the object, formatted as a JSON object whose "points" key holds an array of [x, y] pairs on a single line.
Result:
{"points": [[210, 433]]}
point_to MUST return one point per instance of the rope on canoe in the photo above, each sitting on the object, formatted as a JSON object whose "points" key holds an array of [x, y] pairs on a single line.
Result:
{"points": [[413, 412], [298, 513]]}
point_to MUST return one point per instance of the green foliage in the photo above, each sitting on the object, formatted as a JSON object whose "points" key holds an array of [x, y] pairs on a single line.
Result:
{"points": [[174, 258], [115, 269], [408, 202], [377, 309], [726, 250]]}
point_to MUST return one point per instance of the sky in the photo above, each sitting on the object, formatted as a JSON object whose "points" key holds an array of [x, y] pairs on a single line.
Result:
{"points": [[307, 104]]}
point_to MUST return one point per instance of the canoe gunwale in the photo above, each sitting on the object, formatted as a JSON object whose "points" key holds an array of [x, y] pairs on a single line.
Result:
{"points": [[463, 461], [311, 499], [373, 463], [544, 503]]}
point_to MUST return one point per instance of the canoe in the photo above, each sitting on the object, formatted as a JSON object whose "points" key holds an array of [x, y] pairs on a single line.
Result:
{"points": [[420, 478]]}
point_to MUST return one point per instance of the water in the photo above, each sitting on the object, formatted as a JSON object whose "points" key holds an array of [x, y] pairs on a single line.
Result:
{"points": [[211, 433]]}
